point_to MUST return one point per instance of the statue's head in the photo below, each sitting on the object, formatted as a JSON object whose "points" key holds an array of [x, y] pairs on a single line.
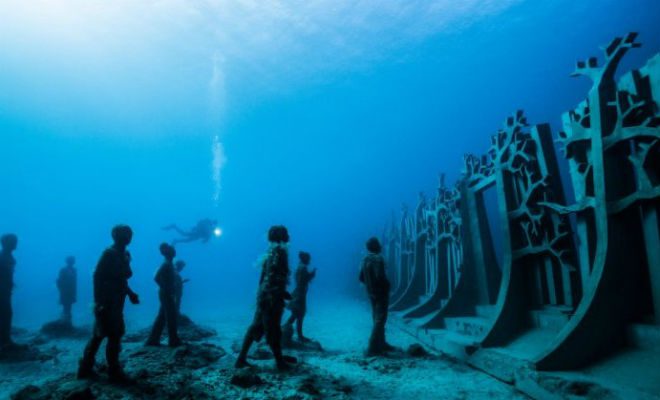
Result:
{"points": [[305, 257], [278, 234], [70, 260], [9, 242], [373, 245], [122, 234], [167, 250]]}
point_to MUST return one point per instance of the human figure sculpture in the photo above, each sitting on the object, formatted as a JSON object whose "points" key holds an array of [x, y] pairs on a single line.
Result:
{"points": [[67, 284], [298, 303], [270, 300], [372, 275], [7, 263], [110, 291], [166, 278]]}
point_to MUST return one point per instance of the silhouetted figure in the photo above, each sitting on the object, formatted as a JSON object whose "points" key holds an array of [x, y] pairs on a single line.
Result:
{"points": [[203, 231], [298, 303], [67, 284], [179, 265], [110, 290], [270, 300], [7, 264], [166, 278], [372, 274]]}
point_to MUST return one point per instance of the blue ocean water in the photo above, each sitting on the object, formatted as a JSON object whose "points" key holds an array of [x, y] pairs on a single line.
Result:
{"points": [[322, 116]]}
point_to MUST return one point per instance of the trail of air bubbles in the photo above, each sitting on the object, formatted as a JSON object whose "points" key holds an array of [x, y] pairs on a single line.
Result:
{"points": [[219, 160], [217, 101]]}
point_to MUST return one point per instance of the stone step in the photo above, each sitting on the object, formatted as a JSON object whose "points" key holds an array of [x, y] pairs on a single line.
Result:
{"points": [[451, 343], [643, 336], [423, 299], [471, 326], [421, 321], [420, 300], [485, 311], [550, 317]]}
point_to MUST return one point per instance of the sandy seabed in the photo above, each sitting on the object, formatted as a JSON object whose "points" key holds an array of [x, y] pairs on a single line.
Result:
{"points": [[204, 369]]}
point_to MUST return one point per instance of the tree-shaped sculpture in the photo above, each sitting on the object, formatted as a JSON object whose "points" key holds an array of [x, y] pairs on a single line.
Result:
{"points": [[610, 140]]}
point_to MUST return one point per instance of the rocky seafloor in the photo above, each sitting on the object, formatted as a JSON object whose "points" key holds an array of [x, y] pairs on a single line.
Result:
{"points": [[332, 367]]}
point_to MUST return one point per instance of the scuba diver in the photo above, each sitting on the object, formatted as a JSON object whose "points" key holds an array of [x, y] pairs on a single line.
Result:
{"points": [[67, 285], [203, 231], [271, 295]]}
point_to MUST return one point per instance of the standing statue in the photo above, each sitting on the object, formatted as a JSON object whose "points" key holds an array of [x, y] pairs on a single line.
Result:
{"points": [[179, 265], [110, 290], [372, 274], [298, 303], [67, 284], [270, 300], [7, 264], [167, 280], [203, 231]]}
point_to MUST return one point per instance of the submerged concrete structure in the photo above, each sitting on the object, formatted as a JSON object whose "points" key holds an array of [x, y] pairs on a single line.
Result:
{"points": [[576, 286]]}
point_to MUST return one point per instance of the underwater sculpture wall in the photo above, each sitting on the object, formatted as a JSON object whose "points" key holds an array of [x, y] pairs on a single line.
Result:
{"points": [[573, 278]]}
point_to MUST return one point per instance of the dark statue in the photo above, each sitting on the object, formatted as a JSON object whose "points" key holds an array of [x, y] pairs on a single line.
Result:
{"points": [[169, 285], [372, 274], [9, 242], [179, 265], [67, 285], [110, 291], [298, 303], [271, 296]]}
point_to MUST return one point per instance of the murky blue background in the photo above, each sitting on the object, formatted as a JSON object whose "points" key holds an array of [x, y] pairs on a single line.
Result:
{"points": [[326, 116]]}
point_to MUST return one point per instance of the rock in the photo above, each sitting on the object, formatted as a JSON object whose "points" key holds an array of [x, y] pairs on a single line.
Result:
{"points": [[197, 356], [74, 390], [416, 350], [259, 352], [245, 378], [82, 394], [150, 361], [63, 329], [185, 321], [310, 345], [178, 373], [573, 388], [188, 332], [21, 352], [18, 331], [342, 386], [308, 385], [29, 392]]}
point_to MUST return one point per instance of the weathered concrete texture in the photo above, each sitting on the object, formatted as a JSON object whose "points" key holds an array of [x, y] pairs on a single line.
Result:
{"points": [[580, 281], [629, 374]]}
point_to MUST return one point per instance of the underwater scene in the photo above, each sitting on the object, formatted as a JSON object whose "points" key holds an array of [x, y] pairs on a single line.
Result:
{"points": [[329, 199]]}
